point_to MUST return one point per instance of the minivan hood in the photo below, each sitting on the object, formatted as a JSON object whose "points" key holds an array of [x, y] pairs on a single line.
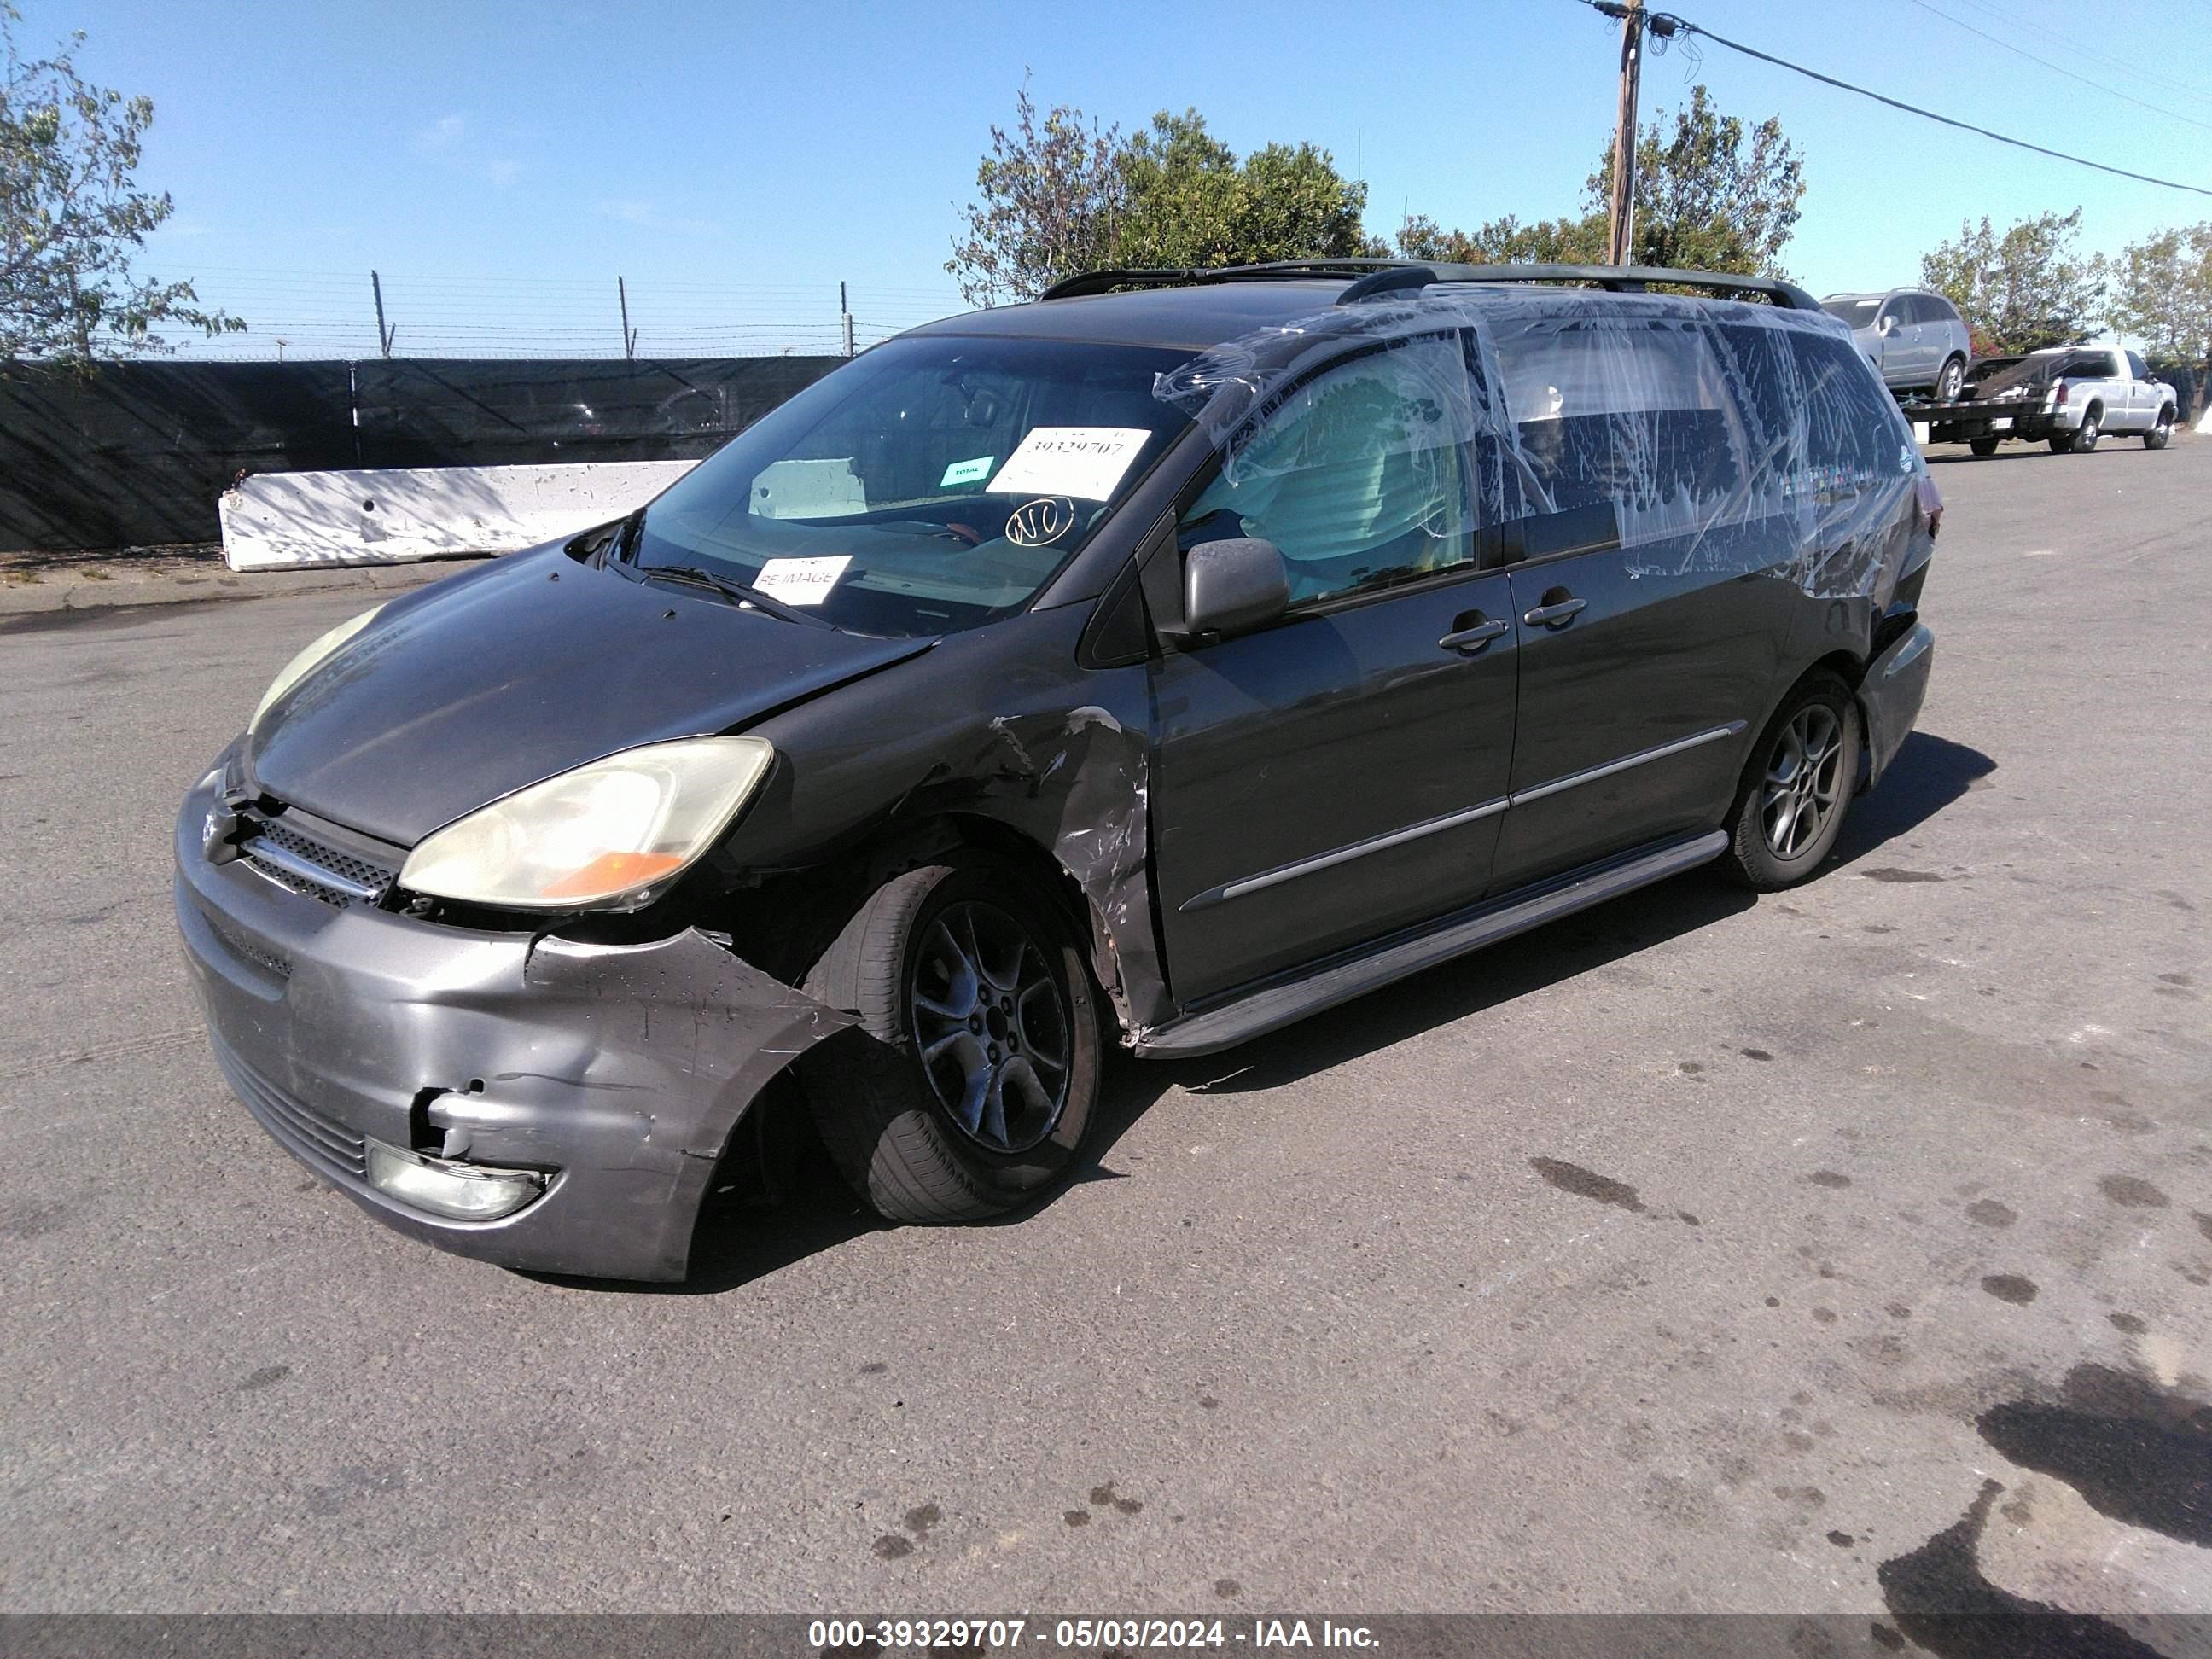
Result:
{"points": [[467, 690]]}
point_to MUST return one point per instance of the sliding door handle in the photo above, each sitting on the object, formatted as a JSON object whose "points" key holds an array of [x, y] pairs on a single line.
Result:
{"points": [[1553, 610], [1474, 638]]}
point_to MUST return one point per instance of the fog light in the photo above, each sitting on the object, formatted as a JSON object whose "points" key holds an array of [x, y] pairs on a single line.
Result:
{"points": [[466, 1192]]}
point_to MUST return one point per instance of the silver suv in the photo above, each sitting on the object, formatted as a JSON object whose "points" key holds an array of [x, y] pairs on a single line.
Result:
{"points": [[1916, 340]]}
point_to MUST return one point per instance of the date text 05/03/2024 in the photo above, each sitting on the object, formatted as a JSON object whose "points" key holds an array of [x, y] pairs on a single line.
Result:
{"points": [[873, 1635]]}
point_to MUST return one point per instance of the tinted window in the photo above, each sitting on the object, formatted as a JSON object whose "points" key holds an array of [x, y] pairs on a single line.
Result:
{"points": [[1624, 412], [929, 485], [2137, 367], [1853, 436], [1940, 310], [1360, 477]]}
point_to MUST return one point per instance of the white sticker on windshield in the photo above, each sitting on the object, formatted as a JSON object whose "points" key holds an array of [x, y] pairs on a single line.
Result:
{"points": [[801, 581], [966, 471], [1085, 462]]}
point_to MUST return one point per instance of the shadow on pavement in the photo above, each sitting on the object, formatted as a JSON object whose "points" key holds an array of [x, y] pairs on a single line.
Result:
{"points": [[1929, 774]]}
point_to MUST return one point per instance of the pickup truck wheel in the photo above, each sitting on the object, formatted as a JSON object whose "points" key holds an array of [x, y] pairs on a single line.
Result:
{"points": [[2158, 436], [1951, 381], [982, 1074], [2062, 443], [1797, 787], [2087, 434], [1982, 445]]}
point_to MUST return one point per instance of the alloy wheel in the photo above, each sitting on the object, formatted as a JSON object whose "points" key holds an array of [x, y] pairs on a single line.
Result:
{"points": [[991, 1026], [1804, 781]]}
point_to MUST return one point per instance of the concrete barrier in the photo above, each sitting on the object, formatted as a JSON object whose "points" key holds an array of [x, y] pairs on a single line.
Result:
{"points": [[285, 521]]}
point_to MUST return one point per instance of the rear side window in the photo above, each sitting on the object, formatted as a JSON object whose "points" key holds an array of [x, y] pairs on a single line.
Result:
{"points": [[1625, 413], [1853, 436], [1360, 477]]}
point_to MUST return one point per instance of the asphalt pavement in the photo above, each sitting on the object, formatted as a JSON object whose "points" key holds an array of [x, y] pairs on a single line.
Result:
{"points": [[1694, 1254]]}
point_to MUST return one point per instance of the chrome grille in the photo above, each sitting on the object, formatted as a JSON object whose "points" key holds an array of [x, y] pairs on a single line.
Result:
{"points": [[351, 873], [321, 1143]]}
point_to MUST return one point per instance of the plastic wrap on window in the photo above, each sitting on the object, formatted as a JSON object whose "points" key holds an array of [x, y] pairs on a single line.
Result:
{"points": [[1722, 437]]}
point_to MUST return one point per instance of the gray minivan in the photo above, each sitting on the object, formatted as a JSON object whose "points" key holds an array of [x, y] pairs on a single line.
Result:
{"points": [[1917, 341], [1147, 666]]}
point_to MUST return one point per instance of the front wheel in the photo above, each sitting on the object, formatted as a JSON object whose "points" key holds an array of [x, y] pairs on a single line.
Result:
{"points": [[977, 1072], [1984, 446], [1797, 787], [1951, 381], [2162, 434]]}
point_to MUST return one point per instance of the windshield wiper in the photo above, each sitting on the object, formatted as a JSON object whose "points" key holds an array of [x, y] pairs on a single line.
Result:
{"points": [[736, 591]]}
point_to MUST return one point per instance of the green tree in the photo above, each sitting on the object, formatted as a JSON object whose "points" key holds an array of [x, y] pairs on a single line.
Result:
{"points": [[2021, 291], [1060, 195], [1711, 194], [2162, 293], [72, 216]]}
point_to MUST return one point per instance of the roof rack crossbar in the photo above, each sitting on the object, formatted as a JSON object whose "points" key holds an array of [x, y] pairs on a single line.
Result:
{"points": [[1377, 276]]}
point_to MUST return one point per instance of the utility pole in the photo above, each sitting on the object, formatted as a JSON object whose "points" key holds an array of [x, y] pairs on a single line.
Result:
{"points": [[845, 319], [383, 334], [630, 334], [1631, 13]]}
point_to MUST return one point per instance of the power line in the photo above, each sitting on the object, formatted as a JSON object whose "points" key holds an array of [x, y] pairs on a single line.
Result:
{"points": [[2060, 68], [1685, 26], [2187, 89]]}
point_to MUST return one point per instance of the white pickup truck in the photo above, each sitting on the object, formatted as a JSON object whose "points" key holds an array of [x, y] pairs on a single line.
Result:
{"points": [[2068, 396]]}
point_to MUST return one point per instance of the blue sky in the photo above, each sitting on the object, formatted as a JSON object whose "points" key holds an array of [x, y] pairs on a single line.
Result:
{"points": [[501, 164]]}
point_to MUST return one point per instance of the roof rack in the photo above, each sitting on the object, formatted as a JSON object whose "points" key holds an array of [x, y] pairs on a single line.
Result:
{"points": [[1372, 277], [1104, 281], [1615, 279]]}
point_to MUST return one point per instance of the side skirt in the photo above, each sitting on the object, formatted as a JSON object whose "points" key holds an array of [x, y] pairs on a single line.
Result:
{"points": [[1340, 979]]}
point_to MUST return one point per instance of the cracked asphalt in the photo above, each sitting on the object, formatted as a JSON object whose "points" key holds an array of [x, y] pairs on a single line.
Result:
{"points": [[1846, 1251]]}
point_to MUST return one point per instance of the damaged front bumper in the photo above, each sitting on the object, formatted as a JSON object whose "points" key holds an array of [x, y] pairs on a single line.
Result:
{"points": [[616, 1073]]}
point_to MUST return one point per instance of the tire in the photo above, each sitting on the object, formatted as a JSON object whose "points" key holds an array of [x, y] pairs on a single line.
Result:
{"points": [[896, 1125], [2161, 434], [1982, 445], [2087, 434], [2062, 443], [1951, 380], [1770, 845]]}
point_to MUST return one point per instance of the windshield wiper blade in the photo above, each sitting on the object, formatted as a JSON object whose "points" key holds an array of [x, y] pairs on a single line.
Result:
{"points": [[733, 589]]}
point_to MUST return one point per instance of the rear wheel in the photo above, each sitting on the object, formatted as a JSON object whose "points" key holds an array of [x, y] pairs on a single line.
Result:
{"points": [[1951, 380], [1797, 787], [1982, 445], [2087, 434], [2162, 433], [982, 1073]]}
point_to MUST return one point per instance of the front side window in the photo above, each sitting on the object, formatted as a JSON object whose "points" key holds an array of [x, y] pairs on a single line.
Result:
{"points": [[932, 484], [1360, 477], [2137, 367]]}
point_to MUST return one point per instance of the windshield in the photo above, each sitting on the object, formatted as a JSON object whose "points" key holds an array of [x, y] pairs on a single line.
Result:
{"points": [[931, 484], [1858, 313]]}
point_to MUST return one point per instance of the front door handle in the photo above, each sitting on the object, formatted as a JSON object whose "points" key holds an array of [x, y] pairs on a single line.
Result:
{"points": [[1473, 639], [1557, 607]]}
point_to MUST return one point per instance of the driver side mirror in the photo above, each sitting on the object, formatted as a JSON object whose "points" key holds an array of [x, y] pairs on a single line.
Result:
{"points": [[1233, 586], [1887, 324]]}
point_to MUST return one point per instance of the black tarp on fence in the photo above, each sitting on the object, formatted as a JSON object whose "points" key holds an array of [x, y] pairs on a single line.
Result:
{"points": [[134, 454]]}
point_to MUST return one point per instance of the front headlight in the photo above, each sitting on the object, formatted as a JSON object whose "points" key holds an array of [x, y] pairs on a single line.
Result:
{"points": [[616, 829], [308, 660]]}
